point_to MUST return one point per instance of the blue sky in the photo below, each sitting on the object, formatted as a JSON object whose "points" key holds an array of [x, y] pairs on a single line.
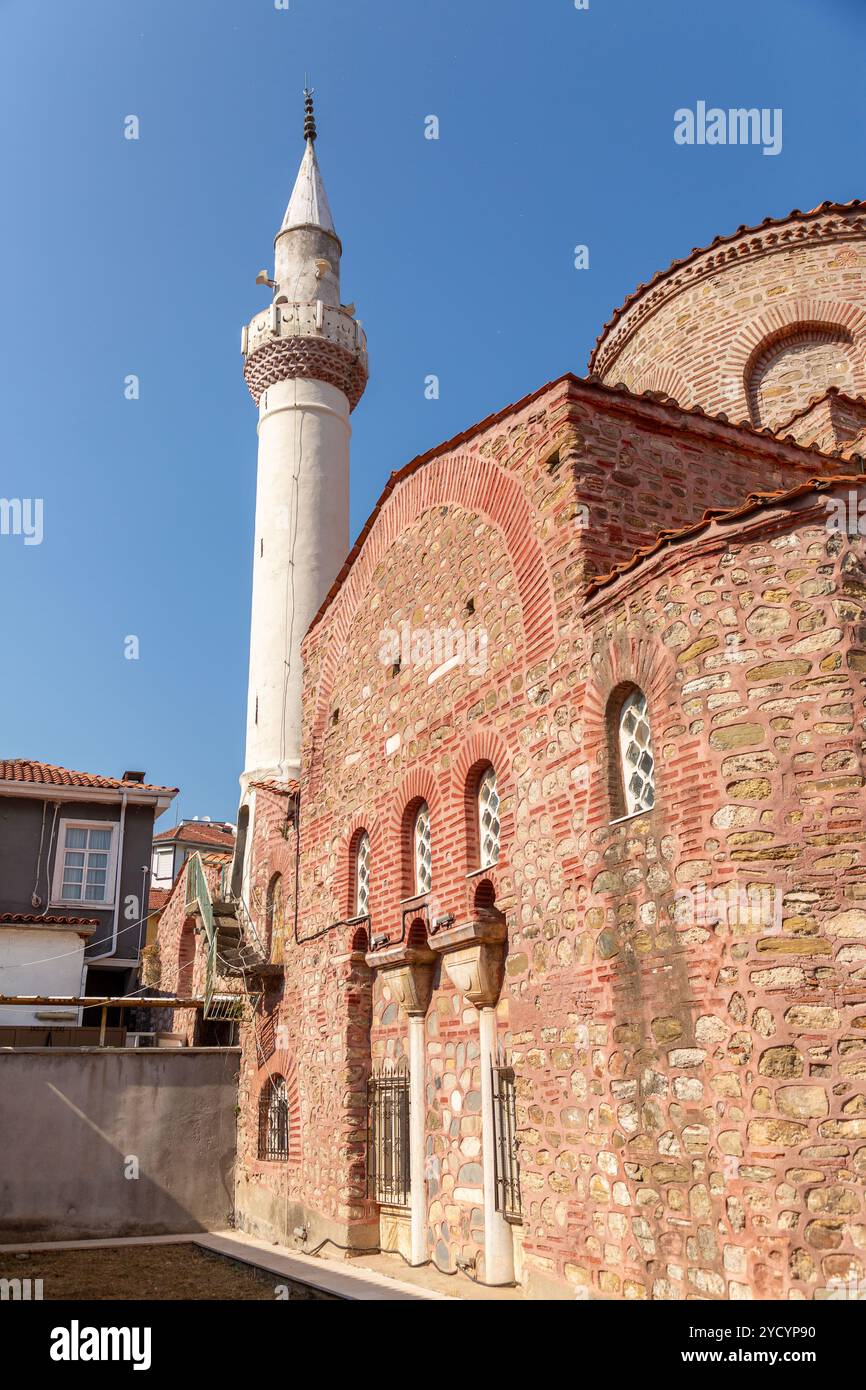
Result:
{"points": [[121, 257]]}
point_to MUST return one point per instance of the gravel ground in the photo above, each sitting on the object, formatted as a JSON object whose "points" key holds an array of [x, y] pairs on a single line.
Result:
{"points": [[146, 1272]]}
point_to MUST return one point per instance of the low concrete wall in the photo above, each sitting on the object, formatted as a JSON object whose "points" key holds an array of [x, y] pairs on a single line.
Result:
{"points": [[116, 1142]]}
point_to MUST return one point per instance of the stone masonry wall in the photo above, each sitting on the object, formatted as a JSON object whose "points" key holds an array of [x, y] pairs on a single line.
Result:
{"points": [[662, 1152]]}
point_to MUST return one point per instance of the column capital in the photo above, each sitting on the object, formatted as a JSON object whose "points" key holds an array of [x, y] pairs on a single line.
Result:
{"points": [[409, 972], [473, 954]]}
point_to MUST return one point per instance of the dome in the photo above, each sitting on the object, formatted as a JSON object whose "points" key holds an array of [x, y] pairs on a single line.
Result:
{"points": [[754, 326]]}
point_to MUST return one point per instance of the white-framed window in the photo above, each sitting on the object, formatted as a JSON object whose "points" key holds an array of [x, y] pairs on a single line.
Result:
{"points": [[636, 755], [488, 818], [163, 865], [362, 875], [422, 850], [86, 864]]}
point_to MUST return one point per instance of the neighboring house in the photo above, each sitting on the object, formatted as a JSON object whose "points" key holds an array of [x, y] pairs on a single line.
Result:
{"points": [[74, 851], [172, 848]]}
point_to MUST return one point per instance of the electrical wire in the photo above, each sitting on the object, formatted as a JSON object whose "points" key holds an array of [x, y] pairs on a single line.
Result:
{"points": [[421, 1264]]}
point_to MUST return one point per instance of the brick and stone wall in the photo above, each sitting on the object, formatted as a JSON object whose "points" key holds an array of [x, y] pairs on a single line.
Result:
{"points": [[754, 326], [682, 1084]]}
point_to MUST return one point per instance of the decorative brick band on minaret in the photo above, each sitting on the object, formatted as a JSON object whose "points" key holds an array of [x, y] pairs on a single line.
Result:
{"points": [[285, 342], [305, 363]]}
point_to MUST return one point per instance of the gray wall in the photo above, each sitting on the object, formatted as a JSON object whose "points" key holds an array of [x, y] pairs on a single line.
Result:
{"points": [[70, 1119]]}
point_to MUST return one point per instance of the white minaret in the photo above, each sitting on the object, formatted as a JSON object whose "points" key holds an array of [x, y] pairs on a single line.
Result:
{"points": [[305, 362]]}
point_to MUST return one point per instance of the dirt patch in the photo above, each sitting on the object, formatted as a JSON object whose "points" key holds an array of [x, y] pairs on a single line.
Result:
{"points": [[149, 1272]]}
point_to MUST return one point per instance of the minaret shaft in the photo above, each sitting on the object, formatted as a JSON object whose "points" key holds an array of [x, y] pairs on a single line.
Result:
{"points": [[302, 539]]}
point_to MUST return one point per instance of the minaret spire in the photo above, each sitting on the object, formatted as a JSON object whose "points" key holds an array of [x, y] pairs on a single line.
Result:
{"points": [[308, 205]]}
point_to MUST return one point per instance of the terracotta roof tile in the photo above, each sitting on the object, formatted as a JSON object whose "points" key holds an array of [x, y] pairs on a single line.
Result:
{"points": [[753, 502], [157, 899], [9, 919], [796, 215], [50, 775], [289, 788], [197, 833], [831, 393]]}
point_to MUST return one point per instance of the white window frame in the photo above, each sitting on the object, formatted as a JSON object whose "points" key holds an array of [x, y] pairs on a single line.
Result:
{"points": [[422, 815], [108, 903], [636, 803], [362, 887], [487, 780], [166, 853]]}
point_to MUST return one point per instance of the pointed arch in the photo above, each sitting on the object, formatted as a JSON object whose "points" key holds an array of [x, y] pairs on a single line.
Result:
{"points": [[458, 480]]}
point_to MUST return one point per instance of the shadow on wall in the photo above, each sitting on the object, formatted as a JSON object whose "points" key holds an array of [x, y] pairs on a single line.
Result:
{"points": [[116, 1143]]}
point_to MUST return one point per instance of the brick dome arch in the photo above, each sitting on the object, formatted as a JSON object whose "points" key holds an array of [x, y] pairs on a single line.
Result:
{"points": [[699, 322], [473, 484], [796, 324]]}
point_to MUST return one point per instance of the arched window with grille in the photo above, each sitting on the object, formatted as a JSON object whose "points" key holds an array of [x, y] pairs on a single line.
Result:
{"points": [[637, 764], [361, 893], [423, 858], [487, 799], [274, 1119]]}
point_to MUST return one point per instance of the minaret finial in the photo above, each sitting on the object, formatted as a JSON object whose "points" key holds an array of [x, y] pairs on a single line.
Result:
{"points": [[309, 115]]}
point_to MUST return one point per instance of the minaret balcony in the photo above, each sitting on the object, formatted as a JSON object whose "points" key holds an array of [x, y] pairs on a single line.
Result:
{"points": [[316, 320], [305, 340]]}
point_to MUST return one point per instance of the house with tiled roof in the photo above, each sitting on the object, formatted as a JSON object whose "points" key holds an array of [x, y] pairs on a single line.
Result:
{"points": [[74, 870], [171, 848]]}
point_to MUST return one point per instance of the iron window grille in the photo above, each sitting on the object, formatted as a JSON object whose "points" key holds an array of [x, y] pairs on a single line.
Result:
{"points": [[506, 1165], [388, 1177], [488, 818], [636, 754], [274, 1120]]}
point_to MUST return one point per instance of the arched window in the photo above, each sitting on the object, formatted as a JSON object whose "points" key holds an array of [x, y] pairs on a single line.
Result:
{"points": [[637, 765], [274, 1119], [186, 960], [362, 875], [423, 859], [487, 798], [276, 919]]}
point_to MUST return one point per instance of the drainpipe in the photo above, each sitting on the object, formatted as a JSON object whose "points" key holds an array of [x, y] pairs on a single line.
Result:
{"points": [[103, 955], [498, 1242]]}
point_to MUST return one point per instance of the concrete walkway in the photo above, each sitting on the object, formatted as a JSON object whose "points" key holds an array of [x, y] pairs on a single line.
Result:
{"points": [[345, 1278]]}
